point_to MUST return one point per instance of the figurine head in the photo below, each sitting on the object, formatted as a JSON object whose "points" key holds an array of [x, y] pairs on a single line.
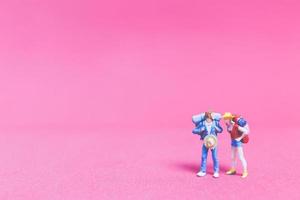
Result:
{"points": [[208, 117]]}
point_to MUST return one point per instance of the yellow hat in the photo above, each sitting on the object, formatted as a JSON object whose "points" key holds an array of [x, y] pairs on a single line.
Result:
{"points": [[227, 115]]}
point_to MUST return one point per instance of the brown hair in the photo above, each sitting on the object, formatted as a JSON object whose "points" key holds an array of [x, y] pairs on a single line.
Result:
{"points": [[208, 115]]}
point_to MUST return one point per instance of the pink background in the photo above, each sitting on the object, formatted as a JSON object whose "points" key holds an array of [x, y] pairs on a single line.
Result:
{"points": [[97, 97]]}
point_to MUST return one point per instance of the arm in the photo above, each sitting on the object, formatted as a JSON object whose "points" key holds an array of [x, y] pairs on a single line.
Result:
{"points": [[229, 126], [244, 130], [199, 129], [218, 127]]}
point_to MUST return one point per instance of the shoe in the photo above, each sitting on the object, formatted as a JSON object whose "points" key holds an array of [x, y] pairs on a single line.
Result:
{"points": [[245, 174], [201, 174], [231, 171], [216, 175]]}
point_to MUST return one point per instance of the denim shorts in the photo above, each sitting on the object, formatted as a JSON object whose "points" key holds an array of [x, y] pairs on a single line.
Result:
{"points": [[235, 143]]}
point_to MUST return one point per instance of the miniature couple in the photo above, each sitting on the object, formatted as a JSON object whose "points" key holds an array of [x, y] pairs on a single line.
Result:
{"points": [[208, 127]]}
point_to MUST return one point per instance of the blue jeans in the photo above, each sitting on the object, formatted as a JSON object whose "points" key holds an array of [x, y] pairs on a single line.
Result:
{"points": [[214, 157]]}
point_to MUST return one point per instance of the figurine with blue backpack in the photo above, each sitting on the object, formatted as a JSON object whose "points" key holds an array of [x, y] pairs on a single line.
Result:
{"points": [[207, 125], [238, 128]]}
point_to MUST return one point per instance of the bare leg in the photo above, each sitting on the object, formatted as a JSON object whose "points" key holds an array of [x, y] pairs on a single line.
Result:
{"points": [[233, 157], [232, 170], [242, 158]]}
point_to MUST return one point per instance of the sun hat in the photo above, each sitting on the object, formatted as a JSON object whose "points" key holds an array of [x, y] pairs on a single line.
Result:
{"points": [[210, 141]]}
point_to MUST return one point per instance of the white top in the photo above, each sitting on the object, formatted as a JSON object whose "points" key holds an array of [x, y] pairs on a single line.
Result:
{"points": [[208, 126]]}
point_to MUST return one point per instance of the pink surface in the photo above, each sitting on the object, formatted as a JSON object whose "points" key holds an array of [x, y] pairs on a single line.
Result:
{"points": [[97, 97]]}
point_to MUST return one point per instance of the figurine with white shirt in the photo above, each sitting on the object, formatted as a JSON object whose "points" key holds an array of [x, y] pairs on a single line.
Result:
{"points": [[208, 126], [238, 128]]}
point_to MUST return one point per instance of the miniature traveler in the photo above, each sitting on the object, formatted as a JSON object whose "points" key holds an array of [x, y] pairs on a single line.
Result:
{"points": [[238, 128], [208, 126]]}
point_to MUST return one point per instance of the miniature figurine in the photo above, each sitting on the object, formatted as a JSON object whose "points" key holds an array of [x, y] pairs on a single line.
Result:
{"points": [[208, 126], [238, 128]]}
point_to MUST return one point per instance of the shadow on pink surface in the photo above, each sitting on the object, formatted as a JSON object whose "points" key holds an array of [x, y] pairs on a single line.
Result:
{"points": [[194, 167]]}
